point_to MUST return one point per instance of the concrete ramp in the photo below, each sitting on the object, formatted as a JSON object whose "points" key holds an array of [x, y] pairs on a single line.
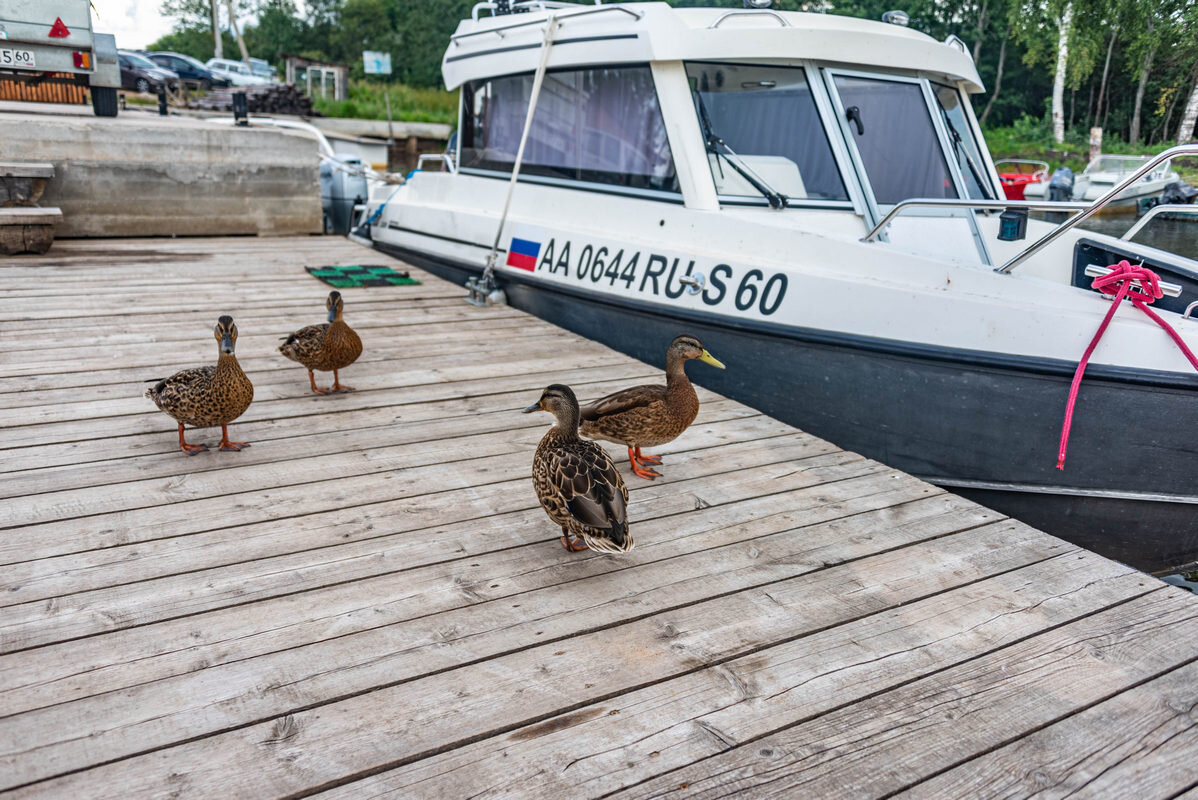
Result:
{"points": [[141, 175]]}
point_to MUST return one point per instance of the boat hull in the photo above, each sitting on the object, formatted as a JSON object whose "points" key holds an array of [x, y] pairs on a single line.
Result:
{"points": [[986, 430]]}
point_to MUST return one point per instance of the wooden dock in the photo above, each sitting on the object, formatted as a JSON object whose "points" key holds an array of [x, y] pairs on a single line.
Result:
{"points": [[369, 601]]}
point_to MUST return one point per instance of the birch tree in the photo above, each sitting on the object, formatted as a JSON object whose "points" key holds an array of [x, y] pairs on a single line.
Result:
{"points": [[1064, 28]]}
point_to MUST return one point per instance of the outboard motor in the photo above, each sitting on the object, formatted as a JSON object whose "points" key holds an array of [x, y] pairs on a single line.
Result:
{"points": [[340, 190], [1060, 187], [1178, 193]]}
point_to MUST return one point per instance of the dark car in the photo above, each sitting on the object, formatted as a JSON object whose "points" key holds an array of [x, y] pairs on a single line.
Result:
{"points": [[188, 69], [143, 75]]}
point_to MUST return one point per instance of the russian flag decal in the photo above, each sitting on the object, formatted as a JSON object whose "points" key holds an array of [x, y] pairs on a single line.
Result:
{"points": [[523, 254]]}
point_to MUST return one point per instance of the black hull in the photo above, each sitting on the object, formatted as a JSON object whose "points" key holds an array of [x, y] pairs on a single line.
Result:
{"points": [[940, 416]]}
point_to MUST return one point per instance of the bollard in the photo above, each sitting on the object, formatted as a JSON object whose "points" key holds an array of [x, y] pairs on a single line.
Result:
{"points": [[162, 100], [241, 113]]}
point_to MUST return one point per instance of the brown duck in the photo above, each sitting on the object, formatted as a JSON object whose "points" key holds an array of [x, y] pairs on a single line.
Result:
{"points": [[578, 485], [649, 416], [331, 346], [207, 396]]}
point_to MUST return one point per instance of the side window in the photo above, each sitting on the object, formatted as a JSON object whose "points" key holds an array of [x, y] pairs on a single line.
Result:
{"points": [[767, 116], [600, 125]]}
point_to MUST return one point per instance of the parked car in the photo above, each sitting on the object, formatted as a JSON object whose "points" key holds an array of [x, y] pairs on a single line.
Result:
{"points": [[263, 69], [189, 69], [235, 72], [143, 75]]}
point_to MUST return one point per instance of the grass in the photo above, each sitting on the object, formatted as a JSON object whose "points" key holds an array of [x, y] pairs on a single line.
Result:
{"points": [[408, 103]]}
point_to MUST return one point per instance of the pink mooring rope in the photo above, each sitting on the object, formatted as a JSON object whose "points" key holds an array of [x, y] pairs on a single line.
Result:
{"points": [[1149, 290]]}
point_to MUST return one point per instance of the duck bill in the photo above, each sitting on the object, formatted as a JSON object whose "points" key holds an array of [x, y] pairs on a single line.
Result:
{"points": [[708, 358], [532, 408], [333, 314], [226, 344]]}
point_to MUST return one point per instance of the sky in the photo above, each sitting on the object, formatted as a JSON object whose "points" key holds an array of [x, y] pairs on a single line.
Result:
{"points": [[135, 23]]}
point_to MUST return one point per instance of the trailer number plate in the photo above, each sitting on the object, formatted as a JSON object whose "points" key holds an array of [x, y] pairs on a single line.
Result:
{"points": [[16, 58]]}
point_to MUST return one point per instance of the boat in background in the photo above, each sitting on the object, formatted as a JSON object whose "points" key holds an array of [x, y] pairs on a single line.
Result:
{"points": [[1016, 173], [812, 197], [1105, 171]]}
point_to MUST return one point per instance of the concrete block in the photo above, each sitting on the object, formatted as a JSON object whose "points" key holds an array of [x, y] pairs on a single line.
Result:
{"points": [[153, 176]]}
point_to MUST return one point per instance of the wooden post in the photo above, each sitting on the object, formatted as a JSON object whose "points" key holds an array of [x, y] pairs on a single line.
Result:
{"points": [[1095, 143]]}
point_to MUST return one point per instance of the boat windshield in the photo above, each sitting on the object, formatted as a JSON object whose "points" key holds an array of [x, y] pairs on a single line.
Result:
{"points": [[767, 117], [1118, 165]]}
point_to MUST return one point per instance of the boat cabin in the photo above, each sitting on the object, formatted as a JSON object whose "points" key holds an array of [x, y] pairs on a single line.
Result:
{"points": [[718, 108]]}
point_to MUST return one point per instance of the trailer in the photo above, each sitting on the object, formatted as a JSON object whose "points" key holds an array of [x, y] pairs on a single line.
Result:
{"points": [[51, 41]]}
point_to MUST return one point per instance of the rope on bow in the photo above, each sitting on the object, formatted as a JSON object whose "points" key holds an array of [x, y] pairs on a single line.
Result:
{"points": [[1120, 282]]}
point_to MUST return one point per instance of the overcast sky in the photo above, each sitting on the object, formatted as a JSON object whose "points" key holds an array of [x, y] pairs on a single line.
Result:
{"points": [[135, 23]]}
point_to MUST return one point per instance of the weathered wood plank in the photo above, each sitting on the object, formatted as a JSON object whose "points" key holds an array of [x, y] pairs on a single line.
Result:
{"points": [[592, 751], [447, 708], [319, 605], [887, 743], [1140, 743], [35, 623]]}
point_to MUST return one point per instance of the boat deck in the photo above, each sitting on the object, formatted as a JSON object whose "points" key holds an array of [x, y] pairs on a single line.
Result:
{"points": [[369, 600]]}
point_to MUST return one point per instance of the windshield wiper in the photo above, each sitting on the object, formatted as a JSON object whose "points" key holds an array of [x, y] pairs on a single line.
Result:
{"points": [[719, 147], [959, 146]]}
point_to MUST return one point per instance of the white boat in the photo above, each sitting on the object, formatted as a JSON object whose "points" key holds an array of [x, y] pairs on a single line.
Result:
{"points": [[811, 196], [1105, 171]]}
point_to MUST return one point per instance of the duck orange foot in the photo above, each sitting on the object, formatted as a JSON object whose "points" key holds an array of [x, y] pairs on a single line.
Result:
{"points": [[225, 444], [190, 449], [573, 545], [644, 459], [641, 471]]}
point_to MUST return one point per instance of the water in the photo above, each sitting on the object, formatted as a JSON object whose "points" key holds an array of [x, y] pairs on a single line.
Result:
{"points": [[1186, 580], [1173, 234]]}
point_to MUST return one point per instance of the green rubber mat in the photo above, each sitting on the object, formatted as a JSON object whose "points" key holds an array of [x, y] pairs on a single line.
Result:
{"points": [[353, 276]]}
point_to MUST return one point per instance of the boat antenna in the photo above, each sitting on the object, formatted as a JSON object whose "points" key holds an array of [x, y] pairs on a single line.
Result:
{"points": [[482, 289]]}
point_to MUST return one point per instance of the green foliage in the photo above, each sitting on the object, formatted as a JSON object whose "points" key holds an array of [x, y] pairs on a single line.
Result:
{"points": [[416, 34], [408, 103]]}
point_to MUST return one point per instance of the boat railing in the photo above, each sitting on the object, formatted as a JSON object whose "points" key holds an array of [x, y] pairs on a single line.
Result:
{"points": [[444, 158], [560, 18], [748, 12], [973, 205], [1097, 205], [1156, 211]]}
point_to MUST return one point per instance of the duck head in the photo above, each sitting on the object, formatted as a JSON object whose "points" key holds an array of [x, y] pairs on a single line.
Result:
{"points": [[335, 305], [687, 347], [225, 333], [559, 401]]}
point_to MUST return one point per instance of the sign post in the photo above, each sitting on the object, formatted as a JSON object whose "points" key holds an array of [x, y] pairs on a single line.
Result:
{"points": [[377, 63]]}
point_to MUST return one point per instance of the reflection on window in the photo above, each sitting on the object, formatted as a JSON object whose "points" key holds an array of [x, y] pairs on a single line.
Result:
{"points": [[767, 116], [594, 125], [962, 144], [890, 124]]}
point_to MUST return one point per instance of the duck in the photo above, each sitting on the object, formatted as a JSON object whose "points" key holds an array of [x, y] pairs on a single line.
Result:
{"points": [[651, 415], [204, 397], [330, 346], [576, 481]]}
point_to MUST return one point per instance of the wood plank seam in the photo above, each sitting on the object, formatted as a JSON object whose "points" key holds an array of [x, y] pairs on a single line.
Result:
{"points": [[915, 679], [713, 663]]}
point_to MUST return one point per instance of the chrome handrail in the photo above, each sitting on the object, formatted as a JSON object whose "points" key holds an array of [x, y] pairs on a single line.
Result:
{"points": [[444, 158], [973, 205], [744, 12], [567, 15], [1096, 206]]}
